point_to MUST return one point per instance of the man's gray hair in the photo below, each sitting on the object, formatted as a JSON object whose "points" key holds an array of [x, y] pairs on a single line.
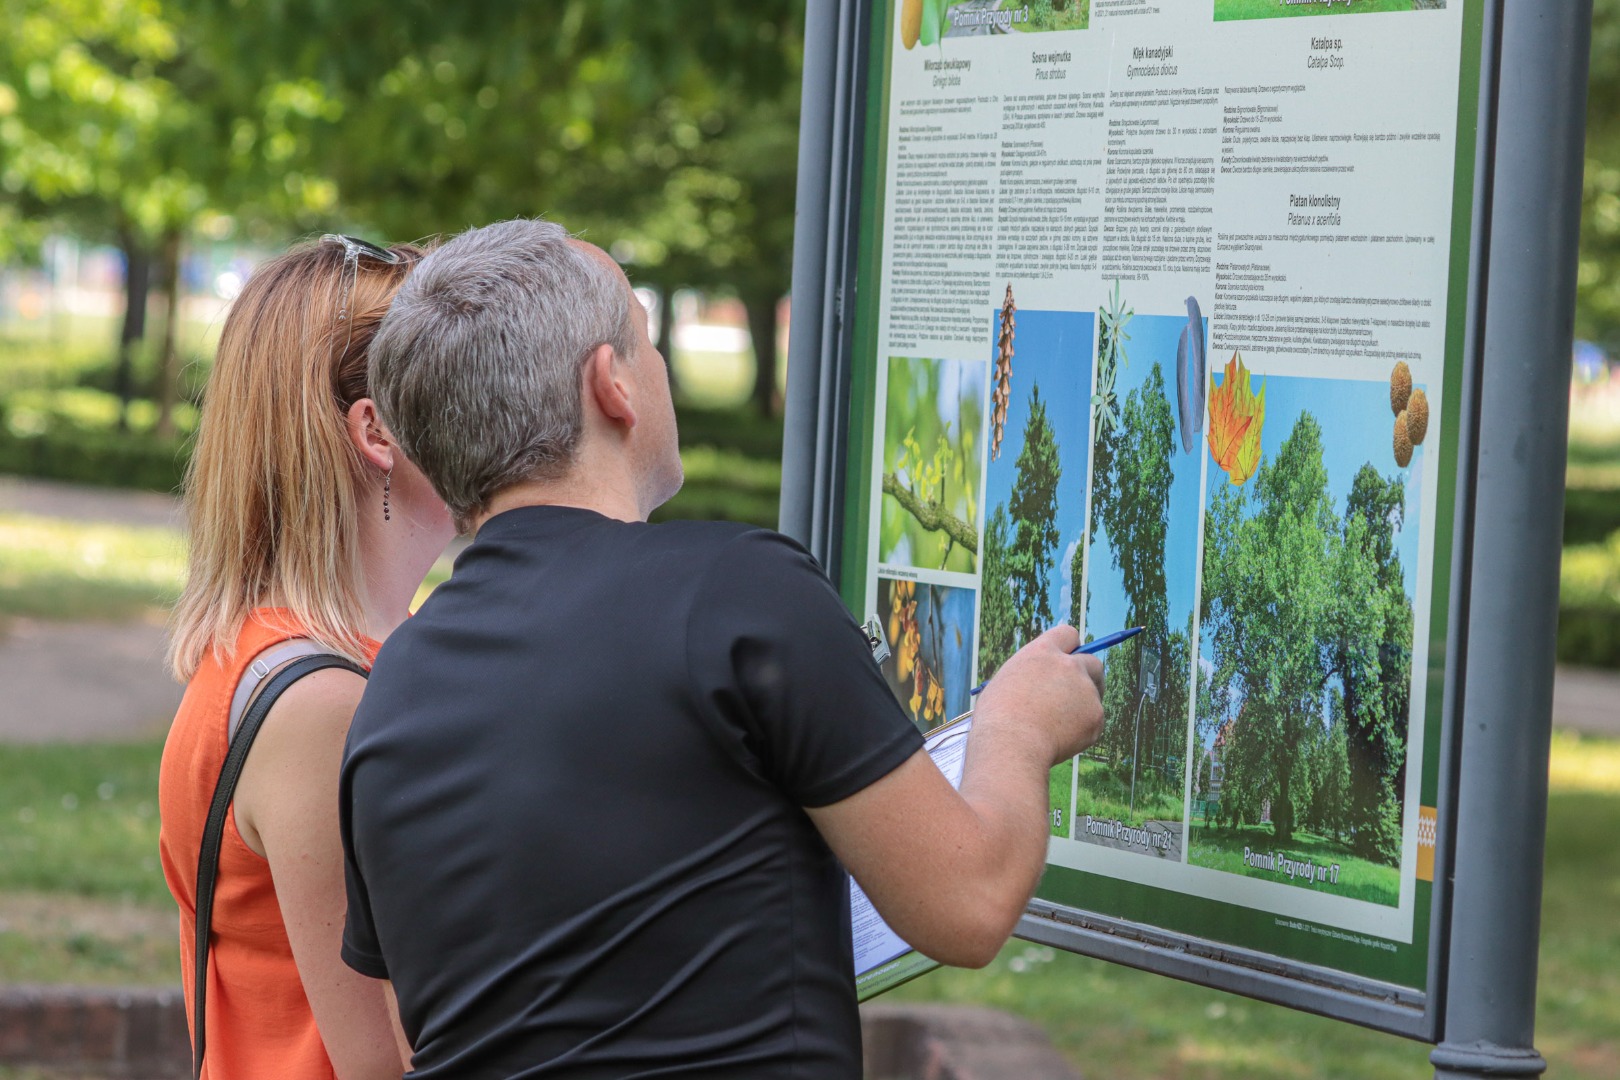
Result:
{"points": [[476, 368]]}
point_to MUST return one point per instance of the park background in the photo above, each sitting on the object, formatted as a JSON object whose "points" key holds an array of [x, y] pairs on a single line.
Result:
{"points": [[152, 151]]}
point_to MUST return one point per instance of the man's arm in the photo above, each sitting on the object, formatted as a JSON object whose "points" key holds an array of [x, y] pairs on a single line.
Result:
{"points": [[952, 871]]}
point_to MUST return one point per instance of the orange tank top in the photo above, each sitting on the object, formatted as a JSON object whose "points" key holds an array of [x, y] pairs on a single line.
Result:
{"points": [[259, 1021]]}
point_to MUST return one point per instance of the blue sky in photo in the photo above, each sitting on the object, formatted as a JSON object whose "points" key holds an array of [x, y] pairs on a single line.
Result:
{"points": [[1153, 339], [945, 620], [945, 617], [1052, 350], [1357, 428], [955, 378]]}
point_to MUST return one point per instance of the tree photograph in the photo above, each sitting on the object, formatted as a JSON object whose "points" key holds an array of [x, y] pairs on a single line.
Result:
{"points": [[1305, 648], [1035, 484], [1140, 569], [933, 425]]}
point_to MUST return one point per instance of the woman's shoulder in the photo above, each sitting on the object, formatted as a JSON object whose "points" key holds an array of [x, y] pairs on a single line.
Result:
{"points": [[210, 690]]}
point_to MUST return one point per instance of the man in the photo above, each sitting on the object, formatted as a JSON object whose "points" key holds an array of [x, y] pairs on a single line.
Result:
{"points": [[597, 795]]}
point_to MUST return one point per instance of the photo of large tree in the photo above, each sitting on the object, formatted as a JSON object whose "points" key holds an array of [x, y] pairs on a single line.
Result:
{"points": [[1035, 485], [1139, 568], [1306, 646]]}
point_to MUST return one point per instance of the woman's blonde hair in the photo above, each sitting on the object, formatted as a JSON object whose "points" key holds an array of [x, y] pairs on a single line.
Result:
{"points": [[272, 490]]}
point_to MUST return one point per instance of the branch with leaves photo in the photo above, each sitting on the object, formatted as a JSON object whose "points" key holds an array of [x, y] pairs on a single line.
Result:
{"points": [[932, 515], [934, 420]]}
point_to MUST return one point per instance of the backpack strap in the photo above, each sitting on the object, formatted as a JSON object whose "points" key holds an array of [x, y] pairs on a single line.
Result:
{"points": [[276, 676], [255, 673]]}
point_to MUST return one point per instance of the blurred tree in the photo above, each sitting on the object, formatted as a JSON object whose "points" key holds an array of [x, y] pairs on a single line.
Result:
{"points": [[112, 127], [667, 133], [1597, 297], [88, 133]]}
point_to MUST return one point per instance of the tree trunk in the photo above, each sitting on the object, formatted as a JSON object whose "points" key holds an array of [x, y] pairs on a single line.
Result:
{"points": [[761, 308], [666, 332], [168, 360], [1282, 808], [137, 284], [1361, 759]]}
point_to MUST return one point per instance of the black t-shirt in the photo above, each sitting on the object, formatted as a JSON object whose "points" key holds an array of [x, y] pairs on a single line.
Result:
{"points": [[572, 805]]}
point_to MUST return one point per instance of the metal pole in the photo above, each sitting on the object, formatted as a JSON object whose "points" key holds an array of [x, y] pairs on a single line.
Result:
{"points": [[812, 225], [1507, 692]]}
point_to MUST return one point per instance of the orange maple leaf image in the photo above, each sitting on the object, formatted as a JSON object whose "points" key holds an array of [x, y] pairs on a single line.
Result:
{"points": [[1236, 417]]}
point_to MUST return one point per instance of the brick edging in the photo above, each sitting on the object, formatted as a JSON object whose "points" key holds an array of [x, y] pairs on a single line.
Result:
{"points": [[956, 1042], [138, 1033]]}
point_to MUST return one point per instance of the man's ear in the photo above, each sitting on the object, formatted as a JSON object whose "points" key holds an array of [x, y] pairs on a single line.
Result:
{"points": [[366, 431], [608, 385]]}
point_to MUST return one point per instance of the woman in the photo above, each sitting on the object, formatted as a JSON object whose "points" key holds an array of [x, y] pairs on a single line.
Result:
{"points": [[305, 523]]}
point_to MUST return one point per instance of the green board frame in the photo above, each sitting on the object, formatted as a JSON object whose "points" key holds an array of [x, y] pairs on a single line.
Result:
{"points": [[1384, 984]]}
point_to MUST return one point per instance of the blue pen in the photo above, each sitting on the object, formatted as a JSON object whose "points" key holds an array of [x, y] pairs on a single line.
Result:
{"points": [[1105, 642]]}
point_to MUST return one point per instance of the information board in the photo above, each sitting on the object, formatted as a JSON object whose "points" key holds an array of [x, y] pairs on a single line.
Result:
{"points": [[1161, 322]]}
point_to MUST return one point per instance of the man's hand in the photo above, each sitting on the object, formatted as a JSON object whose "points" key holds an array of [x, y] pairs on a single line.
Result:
{"points": [[951, 872], [1048, 692]]}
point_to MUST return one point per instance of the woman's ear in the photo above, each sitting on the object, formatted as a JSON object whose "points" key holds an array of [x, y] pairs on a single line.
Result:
{"points": [[366, 431]]}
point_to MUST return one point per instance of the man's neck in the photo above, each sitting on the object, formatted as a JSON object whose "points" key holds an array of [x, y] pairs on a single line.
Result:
{"points": [[614, 500]]}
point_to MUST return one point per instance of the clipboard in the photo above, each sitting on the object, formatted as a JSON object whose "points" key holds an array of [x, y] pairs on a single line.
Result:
{"points": [[883, 960]]}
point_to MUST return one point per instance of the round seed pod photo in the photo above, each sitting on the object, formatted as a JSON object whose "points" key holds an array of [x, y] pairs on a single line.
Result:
{"points": [[1400, 387]]}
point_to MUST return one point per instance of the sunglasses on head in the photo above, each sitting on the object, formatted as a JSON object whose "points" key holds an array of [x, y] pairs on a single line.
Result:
{"points": [[353, 249]]}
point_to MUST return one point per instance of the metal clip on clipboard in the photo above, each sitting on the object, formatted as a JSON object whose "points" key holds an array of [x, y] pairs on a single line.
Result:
{"points": [[873, 629]]}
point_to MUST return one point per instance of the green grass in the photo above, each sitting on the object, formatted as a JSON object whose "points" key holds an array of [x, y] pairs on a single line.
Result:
{"points": [[39, 354], [1362, 879], [81, 820], [61, 938], [1060, 793], [1274, 9], [1593, 439], [1107, 795], [713, 380], [52, 569], [82, 897]]}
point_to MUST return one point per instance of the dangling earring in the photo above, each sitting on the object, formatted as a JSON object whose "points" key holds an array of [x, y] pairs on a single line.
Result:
{"points": [[388, 481]]}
